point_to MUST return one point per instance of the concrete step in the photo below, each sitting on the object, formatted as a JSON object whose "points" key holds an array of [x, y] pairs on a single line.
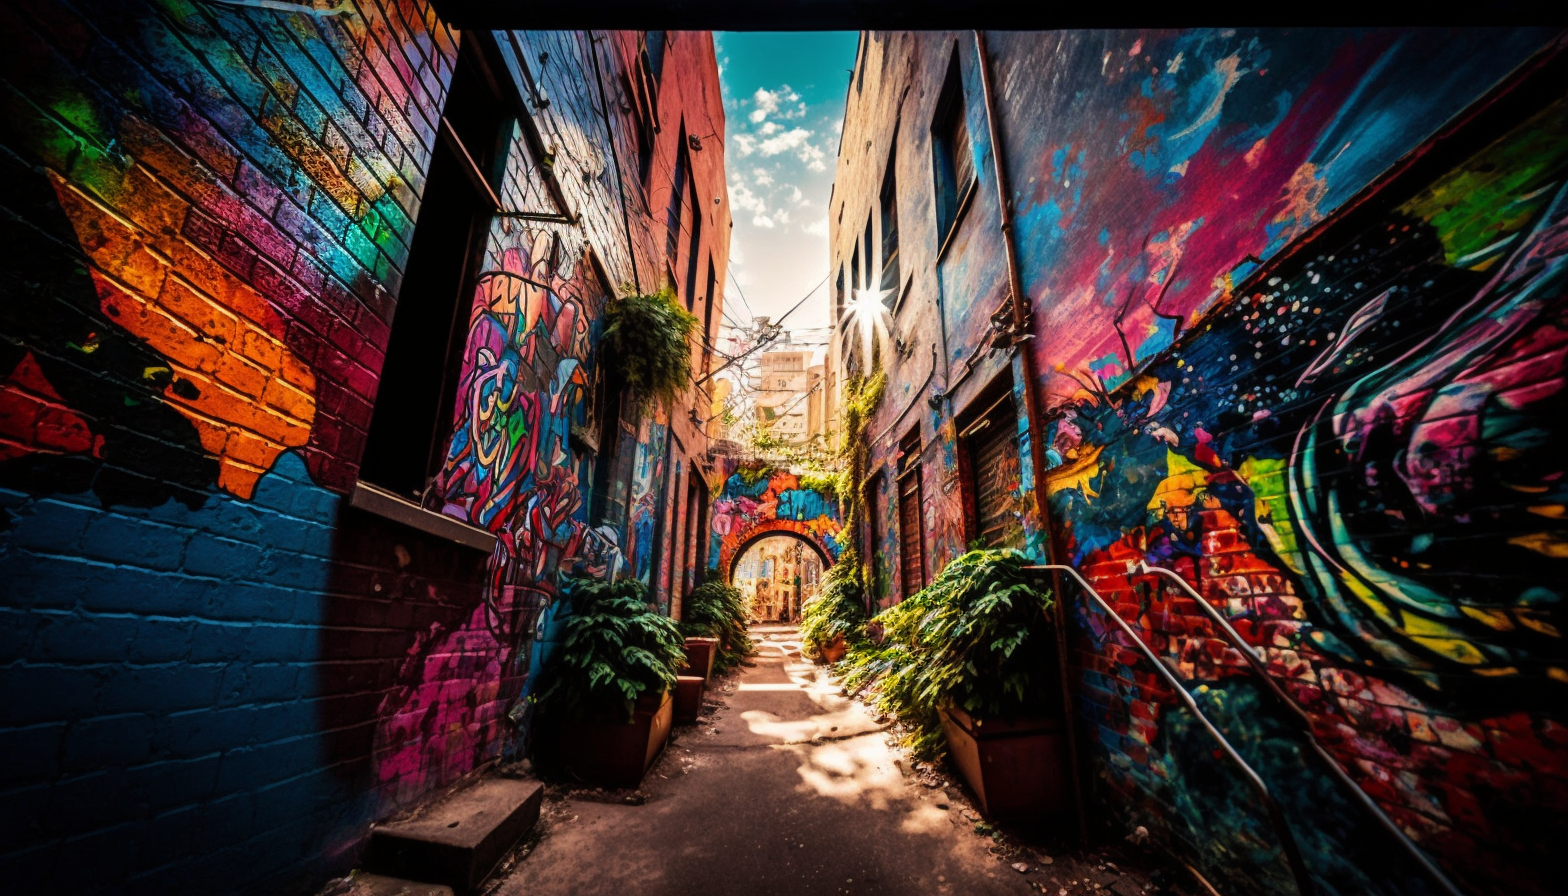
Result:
{"points": [[381, 885], [458, 841]]}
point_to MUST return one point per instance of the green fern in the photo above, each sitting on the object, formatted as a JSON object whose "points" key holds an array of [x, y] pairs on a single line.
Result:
{"points": [[838, 609], [978, 637], [614, 649], [716, 610], [648, 339]]}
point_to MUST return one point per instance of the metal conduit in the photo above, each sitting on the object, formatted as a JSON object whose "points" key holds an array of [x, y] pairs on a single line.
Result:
{"points": [[1282, 830], [1256, 663]]}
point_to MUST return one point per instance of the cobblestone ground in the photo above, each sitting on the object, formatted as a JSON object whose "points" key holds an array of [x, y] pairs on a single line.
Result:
{"points": [[786, 786]]}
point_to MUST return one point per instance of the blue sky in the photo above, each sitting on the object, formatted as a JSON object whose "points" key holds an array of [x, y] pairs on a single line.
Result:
{"points": [[784, 108]]}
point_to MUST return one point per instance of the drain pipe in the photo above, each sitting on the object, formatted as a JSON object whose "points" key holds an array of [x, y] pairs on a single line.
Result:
{"points": [[1016, 337]]}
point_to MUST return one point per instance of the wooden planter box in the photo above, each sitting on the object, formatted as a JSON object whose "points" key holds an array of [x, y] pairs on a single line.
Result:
{"points": [[1015, 767], [688, 697], [616, 753], [699, 656], [833, 651]]}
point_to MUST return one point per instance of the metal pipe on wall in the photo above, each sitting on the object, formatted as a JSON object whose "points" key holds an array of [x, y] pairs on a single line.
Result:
{"points": [[1017, 337]]}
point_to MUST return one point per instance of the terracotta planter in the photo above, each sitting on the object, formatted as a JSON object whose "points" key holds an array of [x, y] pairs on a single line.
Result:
{"points": [[688, 697], [699, 656], [616, 753], [1015, 767], [833, 651]]}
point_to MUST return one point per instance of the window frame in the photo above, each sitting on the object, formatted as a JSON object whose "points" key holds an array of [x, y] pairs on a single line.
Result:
{"points": [[951, 199]]}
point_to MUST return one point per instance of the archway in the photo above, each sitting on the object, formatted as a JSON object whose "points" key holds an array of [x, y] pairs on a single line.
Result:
{"points": [[753, 500], [777, 572], [775, 530]]}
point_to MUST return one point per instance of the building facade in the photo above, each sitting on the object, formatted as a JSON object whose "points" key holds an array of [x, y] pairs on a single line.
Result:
{"points": [[1279, 311], [303, 418], [783, 385]]}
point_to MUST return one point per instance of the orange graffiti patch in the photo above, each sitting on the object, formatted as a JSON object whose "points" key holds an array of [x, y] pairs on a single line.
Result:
{"points": [[247, 395]]}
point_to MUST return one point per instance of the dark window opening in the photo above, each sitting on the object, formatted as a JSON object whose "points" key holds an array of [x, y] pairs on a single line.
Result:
{"points": [[655, 48], [871, 254], [854, 264], [839, 297], [911, 518], [989, 450], [889, 218], [708, 335], [673, 206], [412, 418], [878, 559], [953, 162], [694, 250]]}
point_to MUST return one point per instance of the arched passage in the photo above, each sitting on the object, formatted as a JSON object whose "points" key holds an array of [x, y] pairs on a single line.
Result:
{"points": [[753, 499], [775, 529]]}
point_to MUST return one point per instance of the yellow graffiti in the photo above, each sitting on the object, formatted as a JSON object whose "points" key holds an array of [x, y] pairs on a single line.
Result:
{"points": [[1552, 544], [1075, 475]]}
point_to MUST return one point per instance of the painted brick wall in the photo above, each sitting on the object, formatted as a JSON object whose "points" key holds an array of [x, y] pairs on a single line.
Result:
{"points": [[1349, 449], [216, 671]]}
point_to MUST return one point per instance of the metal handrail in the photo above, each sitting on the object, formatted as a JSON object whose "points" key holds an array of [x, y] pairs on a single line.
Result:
{"points": [[1256, 663], [1298, 868]]}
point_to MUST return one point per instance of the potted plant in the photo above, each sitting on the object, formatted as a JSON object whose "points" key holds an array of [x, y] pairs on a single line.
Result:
{"points": [[967, 664], [718, 611], [835, 616], [606, 698]]}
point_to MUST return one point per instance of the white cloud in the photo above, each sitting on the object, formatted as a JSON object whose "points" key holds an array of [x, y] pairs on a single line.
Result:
{"points": [[818, 227], [758, 115], [792, 139], [745, 144], [768, 128], [742, 198], [781, 216], [796, 196], [762, 221], [838, 126], [761, 177]]}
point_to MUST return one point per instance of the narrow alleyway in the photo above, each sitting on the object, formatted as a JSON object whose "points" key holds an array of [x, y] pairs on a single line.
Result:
{"points": [[790, 788]]}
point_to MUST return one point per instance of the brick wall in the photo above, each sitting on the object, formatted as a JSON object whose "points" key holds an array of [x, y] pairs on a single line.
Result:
{"points": [[1313, 375], [216, 671]]}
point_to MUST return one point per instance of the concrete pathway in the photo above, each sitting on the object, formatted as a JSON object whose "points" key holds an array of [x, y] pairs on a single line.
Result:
{"points": [[790, 789]]}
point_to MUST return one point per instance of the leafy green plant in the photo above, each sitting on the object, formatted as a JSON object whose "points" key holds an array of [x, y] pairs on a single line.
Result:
{"points": [[716, 610], [822, 483], [977, 637], [615, 648], [648, 338], [838, 609]]}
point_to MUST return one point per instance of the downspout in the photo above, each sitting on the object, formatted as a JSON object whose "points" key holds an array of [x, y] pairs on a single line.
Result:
{"points": [[1015, 337]]}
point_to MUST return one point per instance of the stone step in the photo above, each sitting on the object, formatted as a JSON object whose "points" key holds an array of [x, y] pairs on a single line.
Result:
{"points": [[458, 841], [381, 885]]}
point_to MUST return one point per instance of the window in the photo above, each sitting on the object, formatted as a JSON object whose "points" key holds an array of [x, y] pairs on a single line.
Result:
{"points": [[889, 218], [911, 520], [871, 254], [839, 297], [875, 502], [406, 442], [989, 441], [707, 318], [953, 163], [654, 41], [694, 251], [672, 209]]}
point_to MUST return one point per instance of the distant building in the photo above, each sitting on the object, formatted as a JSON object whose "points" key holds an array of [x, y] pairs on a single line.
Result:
{"points": [[782, 385]]}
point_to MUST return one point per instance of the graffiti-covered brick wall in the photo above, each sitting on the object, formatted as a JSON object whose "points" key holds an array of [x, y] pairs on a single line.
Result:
{"points": [[1296, 337], [218, 667]]}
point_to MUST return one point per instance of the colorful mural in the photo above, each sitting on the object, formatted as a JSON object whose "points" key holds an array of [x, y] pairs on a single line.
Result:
{"points": [[207, 216], [1295, 335], [753, 499], [1360, 462]]}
